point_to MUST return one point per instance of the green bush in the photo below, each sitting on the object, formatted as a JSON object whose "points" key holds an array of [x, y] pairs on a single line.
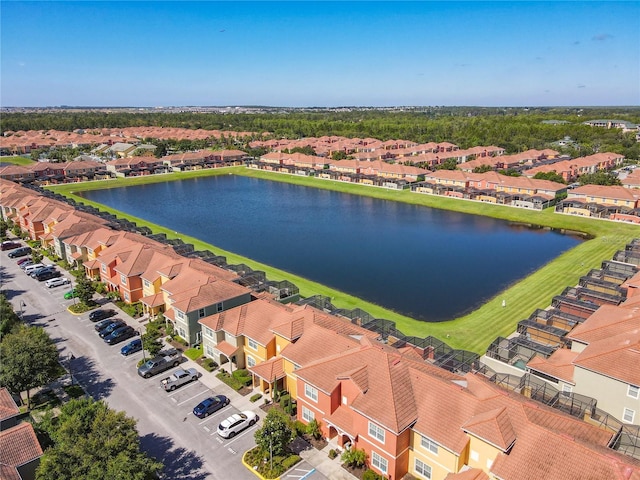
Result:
{"points": [[354, 457], [313, 429], [299, 427], [333, 454], [242, 376], [234, 381], [209, 365], [290, 461], [255, 398], [371, 475]]}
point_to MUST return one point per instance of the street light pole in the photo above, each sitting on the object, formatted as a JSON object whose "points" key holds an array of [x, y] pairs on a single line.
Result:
{"points": [[144, 355], [69, 360]]}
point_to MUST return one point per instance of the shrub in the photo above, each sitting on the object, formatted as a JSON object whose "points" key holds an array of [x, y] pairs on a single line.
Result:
{"points": [[313, 429], [299, 428], [333, 454], [354, 457], [371, 475], [242, 376], [255, 398], [290, 461], [209, 365]]}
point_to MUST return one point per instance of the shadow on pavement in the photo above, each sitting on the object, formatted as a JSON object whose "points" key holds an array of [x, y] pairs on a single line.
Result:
{"points": [[179, 463], [85, 373]]}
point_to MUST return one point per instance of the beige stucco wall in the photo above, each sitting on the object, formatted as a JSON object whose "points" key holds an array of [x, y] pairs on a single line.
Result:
{"points": [[612, 395]]}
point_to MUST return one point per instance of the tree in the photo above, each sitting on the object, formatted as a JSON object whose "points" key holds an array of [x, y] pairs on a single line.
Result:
{"points": [[275, 434], [28, 359], [599, 178], [94, 442], [8, 318], [151, 336], [338, 155], [483, 169], [448, 164], [354, 457], [552, 176], [85, 290], [4, 226]]}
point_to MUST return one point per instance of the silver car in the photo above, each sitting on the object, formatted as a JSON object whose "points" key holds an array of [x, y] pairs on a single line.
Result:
{"points": [[56, 282]]}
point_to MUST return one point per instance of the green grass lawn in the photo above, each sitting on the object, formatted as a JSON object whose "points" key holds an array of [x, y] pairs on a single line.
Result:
{"points": [[474, 331], [16, 160]]}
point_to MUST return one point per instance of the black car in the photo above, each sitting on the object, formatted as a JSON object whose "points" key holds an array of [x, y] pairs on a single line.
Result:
{"points": [[9, 245], [101, 314], [113, 326], [46, 275], [120, 335], [210, 405], [19, 252]]}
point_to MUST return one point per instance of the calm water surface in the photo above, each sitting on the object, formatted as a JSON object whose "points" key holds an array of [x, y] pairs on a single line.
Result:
{"points": [[428, 264]]}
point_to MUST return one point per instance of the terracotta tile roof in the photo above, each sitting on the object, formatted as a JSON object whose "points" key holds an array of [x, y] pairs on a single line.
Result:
{"points": [[469, 474], [342, 418], [607, 321], [19, 446], [270, 370], [8, 407], [153, 300], [493, 427], [202, 296], [226, 348], [559, 365], [317, 343], [616, 357]]}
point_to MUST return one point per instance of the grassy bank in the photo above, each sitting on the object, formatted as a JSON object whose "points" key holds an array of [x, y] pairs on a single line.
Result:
{"points": [[474, 331], [16, 160]]}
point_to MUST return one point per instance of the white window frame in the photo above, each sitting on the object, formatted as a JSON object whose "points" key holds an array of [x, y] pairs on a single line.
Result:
{"points": [[126, 296], [379, 462], [252, 344], [180, 314], [633, 391], [201, 313], [146, 283], [123, 279], [376, 432], [311, 393], [103, 268], [567, 389], [422, 469], [209, 351], [207, 332], [628, 411], [219, 307], [251, 362], [308, 415], [429, 445]]}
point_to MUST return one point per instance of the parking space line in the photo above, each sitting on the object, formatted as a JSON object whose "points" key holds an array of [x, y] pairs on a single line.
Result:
{"points": [[212, 416], [191, 398], [240, 435], [181, 389]]}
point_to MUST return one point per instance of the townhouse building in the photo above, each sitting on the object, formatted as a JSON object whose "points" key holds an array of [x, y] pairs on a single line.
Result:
{"points": [[599, 201]]}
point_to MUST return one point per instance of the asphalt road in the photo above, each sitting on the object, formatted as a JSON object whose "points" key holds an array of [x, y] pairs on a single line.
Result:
{"points": [[188, 447]]}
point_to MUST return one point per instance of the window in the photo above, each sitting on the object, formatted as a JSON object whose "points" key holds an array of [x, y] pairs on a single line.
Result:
{"points": [[126, 297], [378, 462], [310, 392], [146, 283], [123, 279], [251, 361], [307, 415], [344, 400], [429, 445], [103, 267], [182, 333], [209, 351], [180, 314], [252, 344], [628, 415], [567, 389], [422, 469], [474, 456], [207, 332], [376, 432], [201, 313], [219, 307], [633, 391]]}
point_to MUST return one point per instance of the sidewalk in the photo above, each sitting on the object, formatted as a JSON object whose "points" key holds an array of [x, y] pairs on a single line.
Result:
{"points": [[318, 459]]}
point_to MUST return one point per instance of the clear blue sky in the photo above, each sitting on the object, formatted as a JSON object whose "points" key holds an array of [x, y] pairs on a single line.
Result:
{"points": [[509, 53]]}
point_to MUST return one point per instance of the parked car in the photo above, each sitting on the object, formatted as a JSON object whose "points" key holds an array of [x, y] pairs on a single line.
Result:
{"points": [[22, 261], [165, 360], [56, 282], [210, 405], [19, 252], [120, 335], [236, 423], [132, 347], [101, 325], [32, 268], [111, 327], [71, 294], [178, 378], [38, 271], [41, 276], [10, 245], [101, 314]]}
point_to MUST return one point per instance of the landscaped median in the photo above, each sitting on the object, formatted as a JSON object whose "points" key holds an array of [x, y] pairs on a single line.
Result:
{"points": [[263, 468], [474, 331]]}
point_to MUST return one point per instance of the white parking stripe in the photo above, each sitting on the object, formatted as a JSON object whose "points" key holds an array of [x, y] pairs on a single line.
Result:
{"points": [[195, 396], [213, 415], [240, 435], [181, 389]]}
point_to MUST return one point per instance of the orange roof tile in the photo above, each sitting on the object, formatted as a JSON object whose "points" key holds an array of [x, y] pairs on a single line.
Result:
{"points": [[493, 427]]}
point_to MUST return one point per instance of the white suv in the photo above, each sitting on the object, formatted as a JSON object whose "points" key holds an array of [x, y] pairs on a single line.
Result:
{"points": [[236, 423]]}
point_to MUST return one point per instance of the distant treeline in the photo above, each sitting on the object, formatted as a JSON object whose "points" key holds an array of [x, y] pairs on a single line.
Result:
{"points": [[515, 129]]}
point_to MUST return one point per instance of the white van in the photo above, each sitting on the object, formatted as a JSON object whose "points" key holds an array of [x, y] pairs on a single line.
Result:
{"points": [[33, 267]]}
